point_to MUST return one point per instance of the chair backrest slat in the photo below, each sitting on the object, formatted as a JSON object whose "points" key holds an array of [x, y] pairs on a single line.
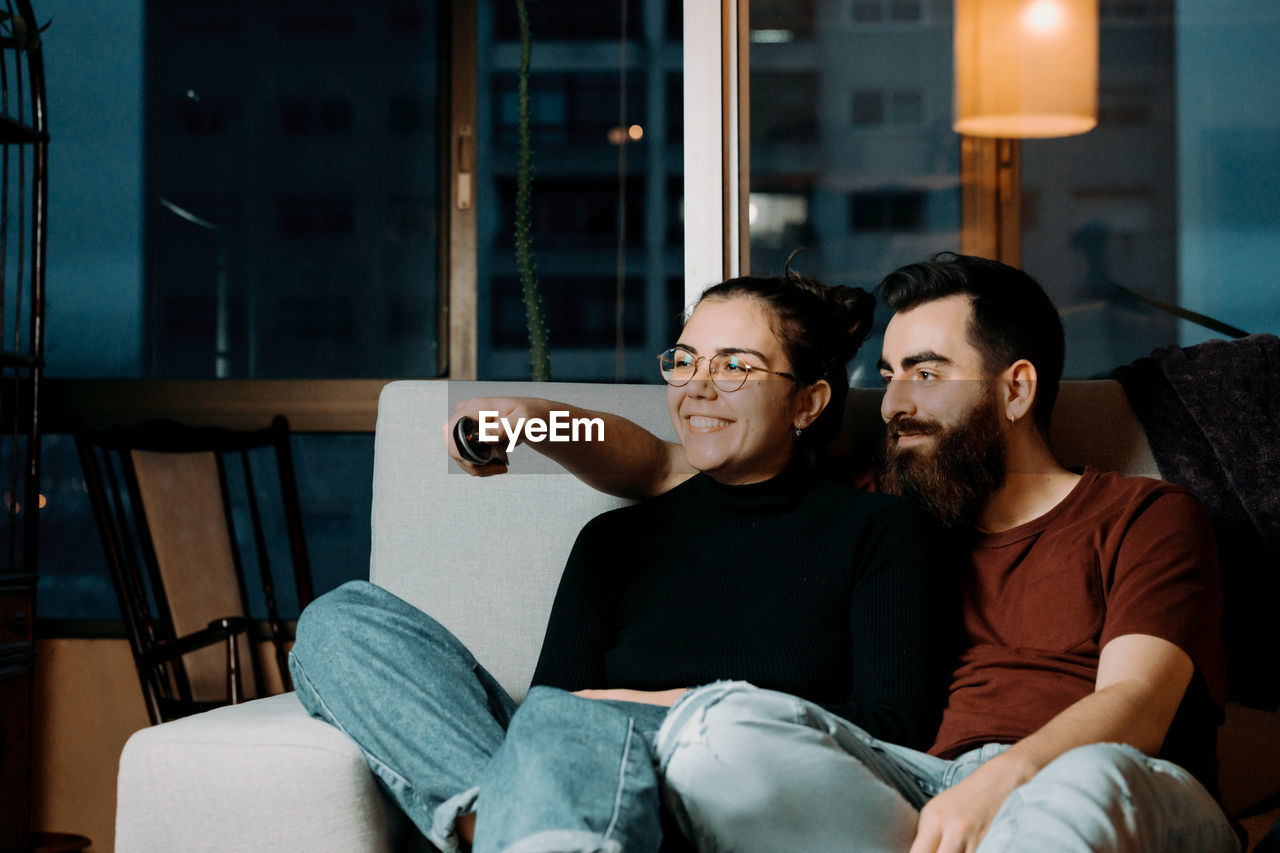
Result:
{"points": [[282, 440], [264, 565], [128, 554]]}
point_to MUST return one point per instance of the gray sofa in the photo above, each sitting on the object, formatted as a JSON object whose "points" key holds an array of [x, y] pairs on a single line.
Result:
{"points": [[484, 557]]}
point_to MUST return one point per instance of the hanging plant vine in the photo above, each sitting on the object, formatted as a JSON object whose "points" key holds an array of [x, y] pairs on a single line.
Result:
{"points": [[539, 351]]}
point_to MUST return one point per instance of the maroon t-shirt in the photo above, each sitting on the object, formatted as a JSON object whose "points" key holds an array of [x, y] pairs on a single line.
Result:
{"points": [[1119, 555]]}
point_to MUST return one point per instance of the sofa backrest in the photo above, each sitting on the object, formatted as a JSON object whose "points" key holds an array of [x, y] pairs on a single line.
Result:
{"points": [[484, 555]]}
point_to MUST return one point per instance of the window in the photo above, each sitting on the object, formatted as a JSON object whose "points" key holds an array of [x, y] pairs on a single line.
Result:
{"points": [[604, 219], [580, 312], [293, 115], [905, 10], [335, 115], [881, 185], [575, 213], [319, 23], [288, 201], [675, 109], [1124, 105], [320, 218], [874, 107], [305, 113], [573, 20], [867, 11], [566, 110], [782, 20], [205, 117], [675, 216], [887, 211], [882, 11], [779, 220], [1131, 10], [406, 114], [906, 107], [784, 107], [868, 107]]}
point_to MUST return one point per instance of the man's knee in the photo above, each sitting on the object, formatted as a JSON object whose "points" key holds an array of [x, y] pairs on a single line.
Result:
{"points": [[1097, 782], [1110, 797], [737, 735], [1103, 763], [1121, 778], [723, 710], [750, 769]]}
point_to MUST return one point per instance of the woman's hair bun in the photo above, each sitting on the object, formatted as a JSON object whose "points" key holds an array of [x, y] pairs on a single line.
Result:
{"points": [[851, 310]]}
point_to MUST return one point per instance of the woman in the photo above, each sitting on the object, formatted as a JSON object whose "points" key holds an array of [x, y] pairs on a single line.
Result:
{"points": [[755, 569]]}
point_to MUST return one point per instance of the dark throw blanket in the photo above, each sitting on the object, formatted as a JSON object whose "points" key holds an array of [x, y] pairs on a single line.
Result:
{"points": [[1211, 413]]}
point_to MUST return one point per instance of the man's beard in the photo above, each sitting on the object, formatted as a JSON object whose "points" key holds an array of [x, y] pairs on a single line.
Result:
{"points": [[952, 480]]}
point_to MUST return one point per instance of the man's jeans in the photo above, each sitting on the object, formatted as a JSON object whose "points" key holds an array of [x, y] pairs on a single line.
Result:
{"points": [[751, 770], [561, 773]]}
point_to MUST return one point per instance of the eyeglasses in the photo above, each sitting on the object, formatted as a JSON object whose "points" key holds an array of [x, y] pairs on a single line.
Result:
{"points": [[727, 370]]}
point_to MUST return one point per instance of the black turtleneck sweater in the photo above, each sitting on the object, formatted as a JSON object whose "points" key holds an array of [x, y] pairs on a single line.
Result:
{"points": [[795, 584]]}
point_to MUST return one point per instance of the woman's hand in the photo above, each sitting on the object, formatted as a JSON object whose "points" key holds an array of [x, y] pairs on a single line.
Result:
{"points": [[629, 462], [511, 408], [665, 698]]}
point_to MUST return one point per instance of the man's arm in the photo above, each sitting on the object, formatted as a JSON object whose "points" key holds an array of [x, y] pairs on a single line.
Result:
{"points": [[631, 462], [1141, 681]]}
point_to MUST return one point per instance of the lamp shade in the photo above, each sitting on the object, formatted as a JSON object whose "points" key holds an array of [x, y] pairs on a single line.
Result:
{"points": [[1026, 69]]}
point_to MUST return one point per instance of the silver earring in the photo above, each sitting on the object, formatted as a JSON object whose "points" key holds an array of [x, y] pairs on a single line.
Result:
{"points": [[1013, 419], [798, 431]]}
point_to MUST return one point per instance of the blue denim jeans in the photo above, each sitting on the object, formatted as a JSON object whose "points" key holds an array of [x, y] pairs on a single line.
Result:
{"points": [[750, 770], [558, 773]]}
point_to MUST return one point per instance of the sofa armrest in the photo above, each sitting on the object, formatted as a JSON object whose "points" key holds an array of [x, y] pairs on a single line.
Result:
{"points": [[258, 776]]}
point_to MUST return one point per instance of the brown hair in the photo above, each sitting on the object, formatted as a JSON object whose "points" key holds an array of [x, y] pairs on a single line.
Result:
{"points": [[820, 329]]}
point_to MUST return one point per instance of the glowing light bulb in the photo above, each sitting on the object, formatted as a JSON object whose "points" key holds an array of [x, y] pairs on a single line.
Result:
{"points": [[1043, 17]]}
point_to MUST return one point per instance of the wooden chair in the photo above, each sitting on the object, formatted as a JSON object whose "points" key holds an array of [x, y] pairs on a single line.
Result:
{"points": [[164, 505]]}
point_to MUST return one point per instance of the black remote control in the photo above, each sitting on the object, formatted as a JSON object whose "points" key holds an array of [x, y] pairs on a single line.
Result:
{"points": [[466, 436]]}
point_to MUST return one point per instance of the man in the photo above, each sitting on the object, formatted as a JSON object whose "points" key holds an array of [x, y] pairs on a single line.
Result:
{"points": [[1091, 613]]}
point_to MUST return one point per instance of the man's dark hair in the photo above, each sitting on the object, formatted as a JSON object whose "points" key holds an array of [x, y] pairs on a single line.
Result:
{"points": [[1012, 316]]}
